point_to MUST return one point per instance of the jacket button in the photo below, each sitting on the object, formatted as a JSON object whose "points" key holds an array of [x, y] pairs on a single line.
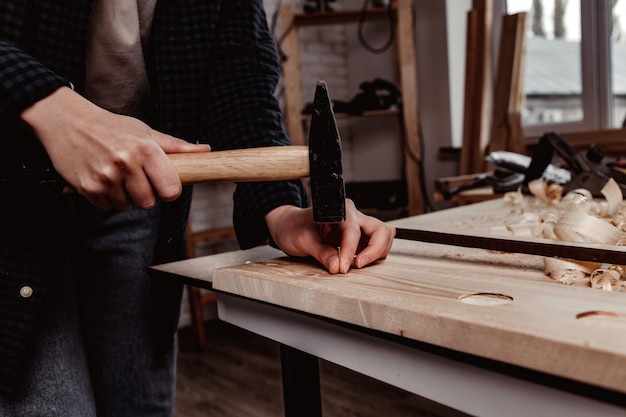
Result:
{"points": [[26, 291]]}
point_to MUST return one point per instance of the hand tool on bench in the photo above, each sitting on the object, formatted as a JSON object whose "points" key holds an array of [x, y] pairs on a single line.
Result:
{"points": [[585, 177], [587, 170]]}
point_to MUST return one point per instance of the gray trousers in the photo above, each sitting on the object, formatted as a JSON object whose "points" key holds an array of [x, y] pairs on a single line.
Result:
{"points": [[106, 343]]}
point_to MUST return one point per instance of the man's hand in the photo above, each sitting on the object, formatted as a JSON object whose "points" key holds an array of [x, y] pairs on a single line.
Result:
{"points": [[295, 232], [112, 160]]}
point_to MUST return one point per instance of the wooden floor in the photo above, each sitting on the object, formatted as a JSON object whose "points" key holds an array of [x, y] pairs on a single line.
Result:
{"points": [[239, 376]]}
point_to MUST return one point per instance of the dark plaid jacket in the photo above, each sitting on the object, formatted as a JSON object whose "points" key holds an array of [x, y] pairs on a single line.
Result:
{"points": [[213, 70]]}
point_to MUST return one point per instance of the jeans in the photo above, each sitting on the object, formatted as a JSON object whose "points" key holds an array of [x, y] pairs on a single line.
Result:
{"points": [[106, 344]]}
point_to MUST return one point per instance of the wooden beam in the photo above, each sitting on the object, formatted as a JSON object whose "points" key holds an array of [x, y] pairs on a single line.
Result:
{"points": [[292, 80], [611, 141], [405, 42], [506, 128], [477, 86]]}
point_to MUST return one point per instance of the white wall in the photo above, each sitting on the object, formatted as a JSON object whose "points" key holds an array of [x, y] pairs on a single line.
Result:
{"points": [[456, 27]]}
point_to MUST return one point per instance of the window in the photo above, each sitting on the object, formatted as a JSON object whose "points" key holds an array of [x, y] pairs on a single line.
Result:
{"points": [[618, 62], [575, 65]]}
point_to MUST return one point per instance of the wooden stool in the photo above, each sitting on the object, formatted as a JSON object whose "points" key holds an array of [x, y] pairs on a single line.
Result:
{"points": [[200, 299]]}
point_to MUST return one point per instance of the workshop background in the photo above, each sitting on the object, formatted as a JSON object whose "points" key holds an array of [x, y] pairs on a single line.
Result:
{"points": [[334, 53], [352, 57], [371, 146]]}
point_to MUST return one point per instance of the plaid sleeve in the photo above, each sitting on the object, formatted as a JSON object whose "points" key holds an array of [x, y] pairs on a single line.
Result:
{"points": [[23, 80], [41, 48], [254, 200], [245, 113]]}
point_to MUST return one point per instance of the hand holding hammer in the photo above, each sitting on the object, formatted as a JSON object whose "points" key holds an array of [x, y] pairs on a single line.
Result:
{"points": [[336, 234], [296, 231]]}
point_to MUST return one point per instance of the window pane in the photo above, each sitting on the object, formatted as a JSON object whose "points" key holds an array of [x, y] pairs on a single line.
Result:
{"points": [[618, 63], [552, 80]]}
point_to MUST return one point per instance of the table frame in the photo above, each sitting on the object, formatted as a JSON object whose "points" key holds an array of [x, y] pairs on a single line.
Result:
{"points": [[469, 384]]}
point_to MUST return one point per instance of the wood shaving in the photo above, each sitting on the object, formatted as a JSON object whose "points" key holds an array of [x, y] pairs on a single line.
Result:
{"points": [[613, 195], [575, 217], [569, 272], [548, 193], [609, 279], [575, 226]]}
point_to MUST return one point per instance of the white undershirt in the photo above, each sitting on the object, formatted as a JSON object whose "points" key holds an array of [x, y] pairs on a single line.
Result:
{"points": [[116, 76]]}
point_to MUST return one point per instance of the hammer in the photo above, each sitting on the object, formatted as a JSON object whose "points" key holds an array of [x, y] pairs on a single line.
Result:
{"points": [[320, 161]]}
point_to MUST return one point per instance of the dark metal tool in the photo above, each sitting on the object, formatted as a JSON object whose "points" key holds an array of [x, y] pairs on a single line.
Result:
{"points": [[327, 186], [559, 249], [501, 182], [587, 170]]}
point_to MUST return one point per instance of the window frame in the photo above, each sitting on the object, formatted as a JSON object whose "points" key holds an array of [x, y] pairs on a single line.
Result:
{"points": [[597, 100]]}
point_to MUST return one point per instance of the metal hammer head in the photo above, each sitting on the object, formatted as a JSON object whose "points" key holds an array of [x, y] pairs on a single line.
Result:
{"points": [[327, 187]]}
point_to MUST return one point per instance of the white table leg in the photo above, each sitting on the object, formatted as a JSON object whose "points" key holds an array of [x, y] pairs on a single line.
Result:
{"points": [[465, 387]]}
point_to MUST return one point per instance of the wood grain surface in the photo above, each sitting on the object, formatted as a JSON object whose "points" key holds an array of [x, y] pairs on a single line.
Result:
{"points": [[492, 304], [271, 163]]}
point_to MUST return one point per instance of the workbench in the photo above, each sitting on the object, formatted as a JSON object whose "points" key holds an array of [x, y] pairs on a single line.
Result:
{"points": [[487, 333]]}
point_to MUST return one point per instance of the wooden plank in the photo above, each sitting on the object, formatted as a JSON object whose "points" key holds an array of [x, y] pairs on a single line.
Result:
{"points": [[611, 141], [477, 87], [508, 92], [423, 292], [199, 271], [407, 74], [292, 79], [471, 116], [517, 139], [472, 196]]}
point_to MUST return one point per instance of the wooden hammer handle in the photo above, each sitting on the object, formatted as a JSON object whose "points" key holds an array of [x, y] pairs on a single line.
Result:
{"points": [[273, 163]]}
